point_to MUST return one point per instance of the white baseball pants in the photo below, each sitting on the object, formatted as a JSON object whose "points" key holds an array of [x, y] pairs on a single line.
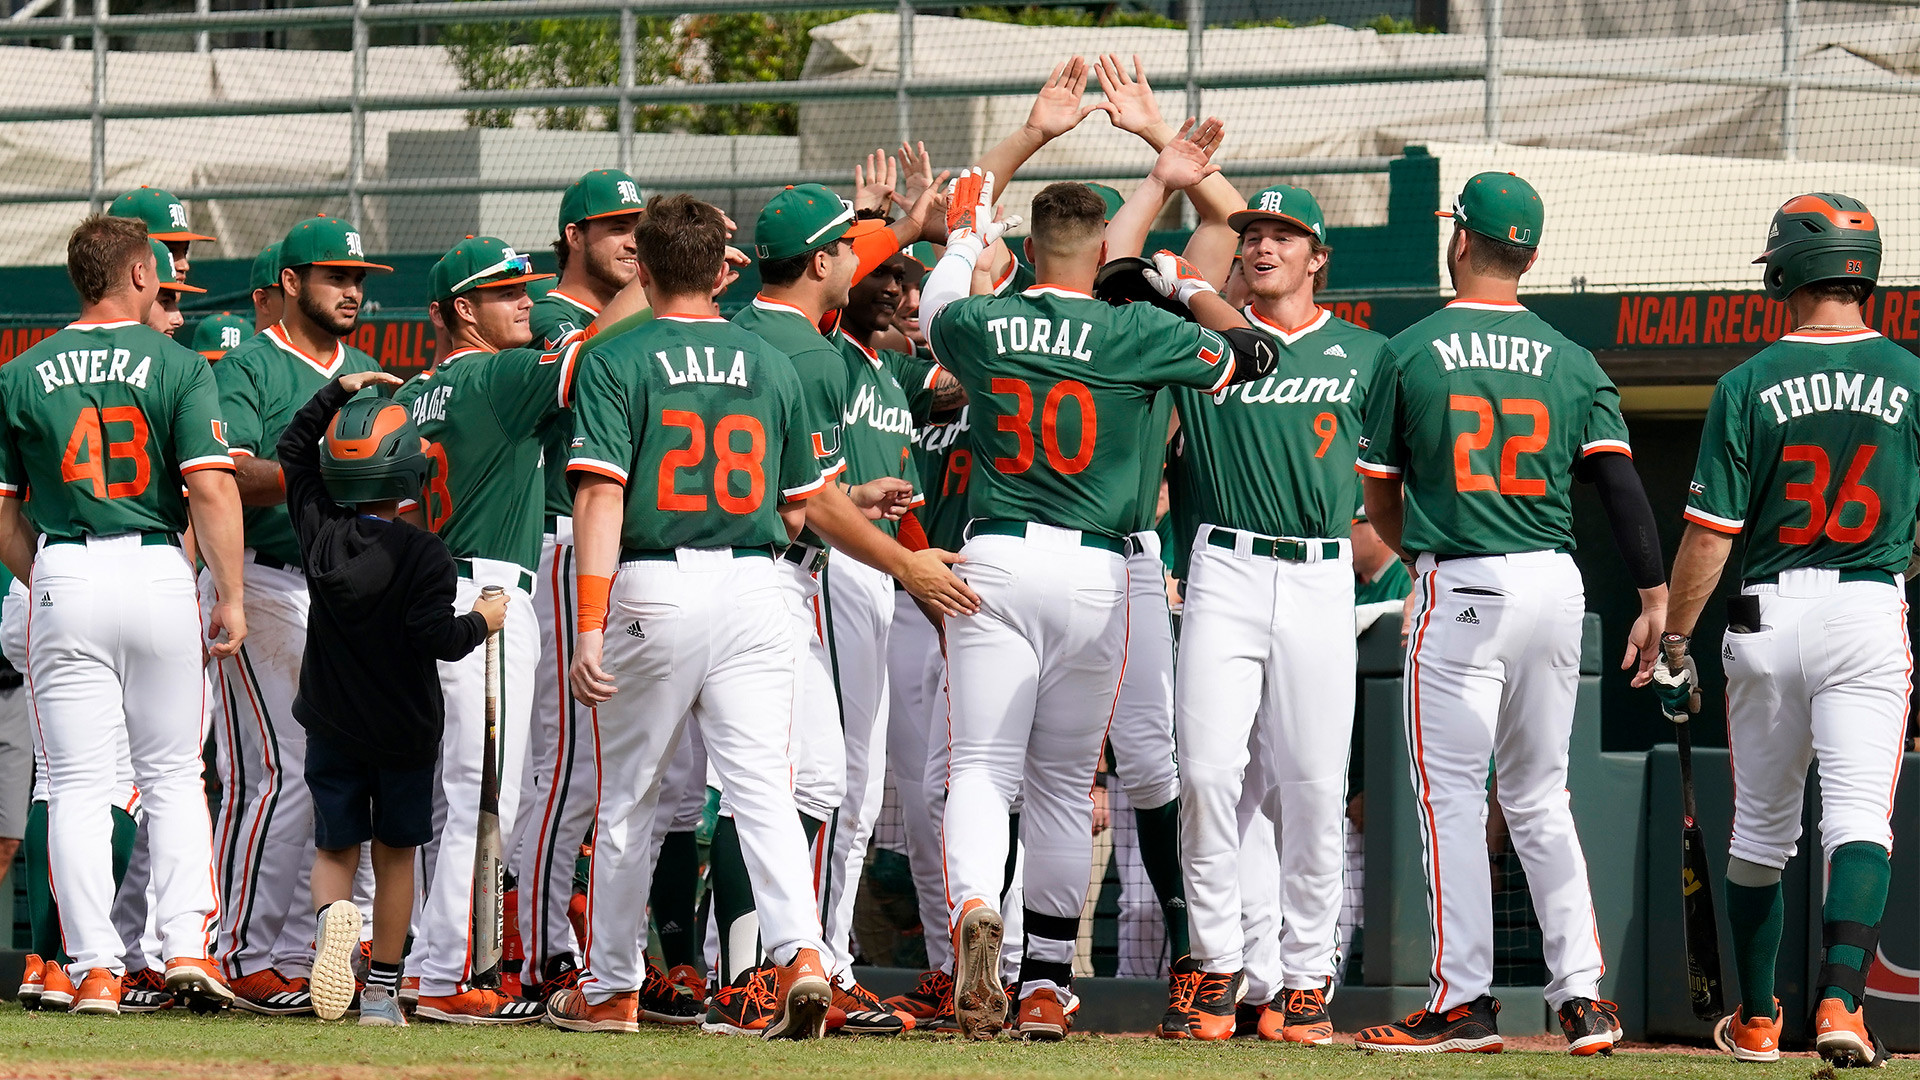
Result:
{"points": [[1256, 649], [1825, 680], [1142, 736], [916, 710], [857, 610], [1491, 671], [114, 641], [706, 637], [818, 748], [1032, 681], [442, 955]]}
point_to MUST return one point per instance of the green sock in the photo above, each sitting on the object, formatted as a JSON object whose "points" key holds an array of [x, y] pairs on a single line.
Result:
{"points": [[676, 889], [1160, 855], [1857, 879], [1757, 916], [732, 892], [42, 914]]}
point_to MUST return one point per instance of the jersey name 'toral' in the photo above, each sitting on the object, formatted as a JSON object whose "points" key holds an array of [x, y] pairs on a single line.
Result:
{"points": [[262, 384], [1061, 389], [484, 416], [1483, 410], [704, 425], [887, 394], [1812, 448], [99, 422], [1274, 457], [554, 316]]}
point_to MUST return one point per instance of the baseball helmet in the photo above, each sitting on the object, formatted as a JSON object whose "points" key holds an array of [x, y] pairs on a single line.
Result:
{"points": [[1120, 281], [1820, 237], [372, 453]]}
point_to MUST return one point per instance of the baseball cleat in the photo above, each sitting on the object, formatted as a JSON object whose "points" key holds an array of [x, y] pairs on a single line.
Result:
{"points": [[802, 994], [1592, 1026], [1840, 1035], [1272, 1025], [1303, 1017], [380, 1009], [409, 992], [145, 991], [979, 1001], [1044, 1017], [270, 993], [559, 973], [99, 994], [1749, 1040], [1463, 1029], [476, 1006], [689, 978], [1182, 980], [858, 1012], [32, 982], [1216, 998], [332, 987], [662, 1001], [932, 996], [198, 983], [568, 1008], [56, 987], [744, 1007]]}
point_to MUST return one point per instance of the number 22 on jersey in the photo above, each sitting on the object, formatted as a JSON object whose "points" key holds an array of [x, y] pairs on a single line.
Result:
{"points": [[1532, 441]]}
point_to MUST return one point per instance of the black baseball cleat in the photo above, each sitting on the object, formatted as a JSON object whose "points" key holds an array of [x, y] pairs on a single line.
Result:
{"points": [[1463, 1029], [1182, 980], [1592, 1027]]}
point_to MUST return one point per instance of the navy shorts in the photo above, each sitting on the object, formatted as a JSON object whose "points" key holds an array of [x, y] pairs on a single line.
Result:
{"points": [[354, 801]]}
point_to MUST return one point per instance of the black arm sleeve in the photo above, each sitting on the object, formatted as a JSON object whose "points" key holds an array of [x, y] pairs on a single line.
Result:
{"points": [[431, 622], [299, 455], [1254, 356], [1630, 515]]}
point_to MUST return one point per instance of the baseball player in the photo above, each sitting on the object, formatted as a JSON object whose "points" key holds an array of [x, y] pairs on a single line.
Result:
{"points": [[217, 335], [1478, 420], [713, 418], [165, 218], [1810, 453], [1060, 388], [596, 258], [266, 824], [105, 424], [164, 317], [263, 280]]}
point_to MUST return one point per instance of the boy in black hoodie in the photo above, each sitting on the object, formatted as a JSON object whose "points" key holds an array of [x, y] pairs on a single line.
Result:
{"points": [[381, 617]]}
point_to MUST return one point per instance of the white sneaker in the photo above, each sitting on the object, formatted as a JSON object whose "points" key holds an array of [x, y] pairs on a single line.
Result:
{"points": [[335, 946], [380, 1009]]}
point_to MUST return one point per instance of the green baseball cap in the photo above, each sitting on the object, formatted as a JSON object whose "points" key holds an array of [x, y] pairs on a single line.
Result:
{"points": [[600, 193], [800, 219], [266, 268], [478, 262], [1113, 198], [1283, 202], [1499, 205], [217, 334], [166, 216], [169, 279], [325, 241]]}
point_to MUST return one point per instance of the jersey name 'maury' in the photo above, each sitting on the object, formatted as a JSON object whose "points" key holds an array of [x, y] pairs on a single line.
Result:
{"points": [[1836, 391], [1498, 352], [91, 366], [1016, 333]]}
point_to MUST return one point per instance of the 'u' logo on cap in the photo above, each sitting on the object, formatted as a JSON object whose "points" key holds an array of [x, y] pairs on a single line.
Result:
{"points": [[1518, 235]]}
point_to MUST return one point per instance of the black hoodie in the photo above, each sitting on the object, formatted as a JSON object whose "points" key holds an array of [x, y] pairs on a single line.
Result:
{"points": [[382, 613]]}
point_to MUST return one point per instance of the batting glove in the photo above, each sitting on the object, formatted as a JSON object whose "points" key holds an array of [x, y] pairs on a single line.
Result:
{"points": [[1678, 688], [1175, 277], [970, 222]]}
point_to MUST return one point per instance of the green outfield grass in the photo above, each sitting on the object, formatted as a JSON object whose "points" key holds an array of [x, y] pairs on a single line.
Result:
{"points": [[165, 1046]]}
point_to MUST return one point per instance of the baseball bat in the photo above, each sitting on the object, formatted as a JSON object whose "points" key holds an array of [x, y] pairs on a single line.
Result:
{"points": [[488, 930], [1696, 885]]}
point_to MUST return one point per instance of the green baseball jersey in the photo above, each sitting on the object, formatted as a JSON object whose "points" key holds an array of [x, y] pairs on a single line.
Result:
{"points": [[888, 394], [943, 455], [704, 425], [485, 416], [1275, 457], [1394, 582], [263, 383], [1482, 410], [554, 316], [821, 366], [1153, 460], [99, 422], [1812, 448], [1061, 389]]}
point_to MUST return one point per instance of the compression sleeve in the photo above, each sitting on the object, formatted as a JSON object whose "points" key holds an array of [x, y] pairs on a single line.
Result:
{"points": [[1630, 516], [950, 279], [1254, 356]]}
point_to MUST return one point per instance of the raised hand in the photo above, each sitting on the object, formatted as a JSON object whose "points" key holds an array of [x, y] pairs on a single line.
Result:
{"points": [[1188, 159], [1175, 277], [916, 173], [1057, 109], [1132, 107], [873, 187]]}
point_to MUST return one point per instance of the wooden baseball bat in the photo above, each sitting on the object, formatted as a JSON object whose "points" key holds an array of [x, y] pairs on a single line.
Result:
{"points": [[1696, 883], [488, 929]]}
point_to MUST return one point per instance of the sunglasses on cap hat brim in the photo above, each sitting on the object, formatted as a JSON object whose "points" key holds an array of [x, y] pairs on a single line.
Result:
{"points": [[520, 267]]}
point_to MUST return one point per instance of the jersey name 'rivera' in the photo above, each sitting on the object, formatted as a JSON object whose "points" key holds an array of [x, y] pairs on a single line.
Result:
{"points": [[1812, 448]]}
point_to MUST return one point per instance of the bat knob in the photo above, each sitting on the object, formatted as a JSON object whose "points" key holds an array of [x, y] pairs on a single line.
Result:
{"points": [[1674, 648], [491, 591]]}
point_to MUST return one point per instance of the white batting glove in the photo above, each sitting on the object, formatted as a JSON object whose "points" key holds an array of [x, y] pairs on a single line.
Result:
{"points": [[971, 224], [1176, 278], [1678, 689]]}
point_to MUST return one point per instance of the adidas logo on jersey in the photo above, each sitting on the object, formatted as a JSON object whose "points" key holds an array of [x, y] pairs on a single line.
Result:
{"points": [[1467, 617], [1335, 350], [1726, 651], [46, 600], [633, 630]]}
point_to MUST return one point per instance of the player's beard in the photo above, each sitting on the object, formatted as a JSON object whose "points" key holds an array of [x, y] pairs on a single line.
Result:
{"points": [[607, 270], [328, 319]]}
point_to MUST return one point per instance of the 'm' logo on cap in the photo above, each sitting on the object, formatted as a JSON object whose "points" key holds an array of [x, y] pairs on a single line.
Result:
{"points": [[229, 337], [353, 246], [629, 191], [1271, 201], [177, 214]]}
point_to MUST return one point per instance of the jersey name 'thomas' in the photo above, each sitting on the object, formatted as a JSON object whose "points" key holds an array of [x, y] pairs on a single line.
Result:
{"points": [[704, 426], [484, 416], [262, 384], [1275, 456], [99, 421], [1487, 451], [1057, 435], [1812, 448]]}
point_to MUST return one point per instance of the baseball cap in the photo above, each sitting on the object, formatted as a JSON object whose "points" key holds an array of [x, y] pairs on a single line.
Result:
{"points": [[163, 259], [800, 219], [266, 268], [325, 241], [478, 262], [216, 334], [921, 252], [166, 216], [600, 193], [1499, 205], [1283, 202], [1112, 197]]}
